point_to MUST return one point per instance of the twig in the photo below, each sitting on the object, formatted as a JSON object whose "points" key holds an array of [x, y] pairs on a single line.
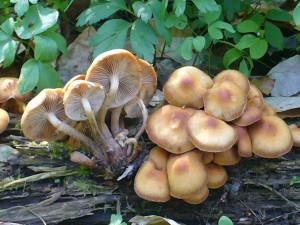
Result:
{"points": [[252, 212]]}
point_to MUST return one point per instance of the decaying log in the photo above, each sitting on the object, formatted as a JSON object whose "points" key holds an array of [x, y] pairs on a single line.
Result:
{"points": [[54, 191]]}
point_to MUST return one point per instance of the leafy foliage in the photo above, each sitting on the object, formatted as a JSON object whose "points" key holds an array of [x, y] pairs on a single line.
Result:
{"points": [[116, 219], [224, 220]]}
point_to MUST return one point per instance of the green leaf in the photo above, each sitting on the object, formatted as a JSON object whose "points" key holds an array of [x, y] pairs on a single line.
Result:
{"points": [[258, 18], [158, 10], [179, 7], [243, 67], [116, 219], [142, 11], [37, 20], [224, 220], [199, 43], [274, 35], [143, 39], [214, 29], [178, 22], [258, 48], [60, 41], [279, 15], [37, 74], [100, 11], [186, 48], [231, 7], [212, 16], [45, 48], [245, 41], [230, 56], [21, 6], [8, 46], [296, 14], [247, 26], [112, 34], [206, 5]]}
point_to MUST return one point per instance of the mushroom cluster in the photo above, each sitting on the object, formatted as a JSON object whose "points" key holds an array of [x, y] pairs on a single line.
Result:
{"points": [[116, 85], [11, 100], [206, 125]]}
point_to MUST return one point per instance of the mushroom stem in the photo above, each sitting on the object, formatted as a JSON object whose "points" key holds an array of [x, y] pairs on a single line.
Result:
{"points": [[145, 117], [115, 120], [67, 129]]}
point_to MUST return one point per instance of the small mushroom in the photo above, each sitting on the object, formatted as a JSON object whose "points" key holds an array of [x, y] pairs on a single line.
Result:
{"points": [[255, 97], [270, 137], [229, 157], [216, 175], [250, 115], [210, 134], [244, 146], [166, 128], [198, 197], [186, 87], [4, 120], [76, 77], [295, 130], [225, 101], [186, 174], [151, 181]]}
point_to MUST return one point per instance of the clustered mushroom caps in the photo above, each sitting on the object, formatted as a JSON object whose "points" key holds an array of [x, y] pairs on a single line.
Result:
{"points": [[232, 123], [80, 109]]}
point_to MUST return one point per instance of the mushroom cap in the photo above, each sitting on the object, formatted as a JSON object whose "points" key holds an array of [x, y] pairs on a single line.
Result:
{"points": [[186, 87], [270, 137], [13, 106], [255, 97], [34, 122], [76, 77], [268, 110], [78, 90], [4, 120], [244, 146], [229, 157], [118, 63], [186, 174], [207, 157], [166, 128], [234, 76], [295, 130], [216, 174], [209, 133], [225, 101], [9, 89], [198, 197], [151, 181], [250, 115]]}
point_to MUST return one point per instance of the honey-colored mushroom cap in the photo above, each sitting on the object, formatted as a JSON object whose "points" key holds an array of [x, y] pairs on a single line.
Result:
{"points": [[4, 120], [9, 89], [216, 174]]}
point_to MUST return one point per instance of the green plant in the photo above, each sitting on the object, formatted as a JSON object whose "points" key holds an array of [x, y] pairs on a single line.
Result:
{"points": [[28, 33], [243, 26], [116, 219], [224, 220]]}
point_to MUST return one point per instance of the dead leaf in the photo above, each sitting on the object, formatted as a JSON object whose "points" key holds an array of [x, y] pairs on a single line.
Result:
{"points": [[287, 77], [152, 220], [283, 104]]}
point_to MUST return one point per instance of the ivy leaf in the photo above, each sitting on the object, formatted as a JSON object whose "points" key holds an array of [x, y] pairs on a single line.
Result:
{"points": [[274, 35], [258, 48], [143, 39], [279, 15], [296, 14], [8, 46], [99, 12], [45, 48], [158, 10], [37, 74], [230, 56], [206, 5], [37, 20], [179, 7], [112, 34], [247, 26], [21, 6], [186, 48], [245, 41], [142, 10], [199, 43]]}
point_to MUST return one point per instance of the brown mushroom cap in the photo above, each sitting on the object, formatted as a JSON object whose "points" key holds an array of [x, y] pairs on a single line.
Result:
{"points": [[225, 101], [9, 89], [216, 174], [270, 137], [166, 128], [78, 93], [229, 157], [186, 87], [76, 77], [250, 115], [244, 146], [117, 70], [186, 174], [4, 120], [295, 130], [255, 97], [234, 76], [151, 181], [198, 197], [268, 110], [209, 133]]}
